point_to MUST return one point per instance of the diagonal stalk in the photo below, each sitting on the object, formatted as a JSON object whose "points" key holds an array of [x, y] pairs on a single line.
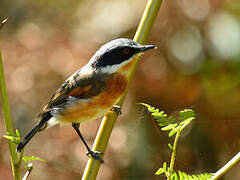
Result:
{"points": [[8, 124], [227, 167], [110, 117]]}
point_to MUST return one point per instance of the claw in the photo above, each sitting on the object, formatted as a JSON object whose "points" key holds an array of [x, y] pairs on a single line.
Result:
{"points": [[95, 155], [116, 109]]}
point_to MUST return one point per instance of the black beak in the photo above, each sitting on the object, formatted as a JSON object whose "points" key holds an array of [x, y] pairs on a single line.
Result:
{"points": [[147, 47]]}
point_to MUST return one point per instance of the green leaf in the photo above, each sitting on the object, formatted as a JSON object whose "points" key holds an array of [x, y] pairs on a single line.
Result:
{"points": [[180, 175], [185, 114], [171, 119], [14, 139], [159, 171], [169, 127], [162, 122], [186, 121], [173, 131], [159, 115], [174, 176], [165, 166], [17, 133], [195, 176], [203, 176], [185, 176], [32, 158], [170, 146], [150, 108]]}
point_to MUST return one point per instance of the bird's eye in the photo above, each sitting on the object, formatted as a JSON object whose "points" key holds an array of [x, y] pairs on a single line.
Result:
{"points": [[126, 51]]}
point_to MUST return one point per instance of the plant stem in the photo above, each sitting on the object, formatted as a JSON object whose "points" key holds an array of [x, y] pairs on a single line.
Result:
{"points": [[8, 123], [227, 167], [173, 157], [110, 117]]}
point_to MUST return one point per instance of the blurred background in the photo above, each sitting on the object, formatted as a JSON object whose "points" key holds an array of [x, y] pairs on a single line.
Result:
{"points": [[196, 65]]}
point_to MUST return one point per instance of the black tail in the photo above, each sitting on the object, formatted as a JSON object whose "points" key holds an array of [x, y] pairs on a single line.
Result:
{"points": [[29, 136]]}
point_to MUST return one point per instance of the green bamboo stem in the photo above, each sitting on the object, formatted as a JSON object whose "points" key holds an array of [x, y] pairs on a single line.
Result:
{"points": [[107, 124], [8, 123], [227, 167]]}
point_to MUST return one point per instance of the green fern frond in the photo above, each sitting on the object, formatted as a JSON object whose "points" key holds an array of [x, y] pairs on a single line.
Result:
{"points": [[186, 114], [203, 176], [162, 118], [170, 123], [175, 125], [182, 175]]}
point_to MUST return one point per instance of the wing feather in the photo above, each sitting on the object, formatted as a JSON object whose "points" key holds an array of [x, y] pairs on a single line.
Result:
{"points": [[79, 87]]}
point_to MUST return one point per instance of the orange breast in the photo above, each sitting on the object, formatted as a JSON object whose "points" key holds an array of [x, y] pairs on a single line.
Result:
{"points": [[115, 87], [96, 106]]}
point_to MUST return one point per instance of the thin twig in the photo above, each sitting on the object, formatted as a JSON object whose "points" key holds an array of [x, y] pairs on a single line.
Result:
{"points": [[227, 167], [174, 151]]}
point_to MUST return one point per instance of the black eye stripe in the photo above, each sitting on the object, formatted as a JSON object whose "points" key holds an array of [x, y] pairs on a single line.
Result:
{"points": [[115, 56]]}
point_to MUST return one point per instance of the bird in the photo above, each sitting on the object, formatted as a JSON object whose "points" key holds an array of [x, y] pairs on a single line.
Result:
{"points": [[91, 91]]}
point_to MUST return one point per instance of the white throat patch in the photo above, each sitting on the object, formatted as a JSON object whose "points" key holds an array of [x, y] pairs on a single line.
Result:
{"points": [[113, 68]]}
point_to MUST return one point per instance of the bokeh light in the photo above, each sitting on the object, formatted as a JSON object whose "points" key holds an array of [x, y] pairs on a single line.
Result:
{"points": [[197, 10], [186, 47], [223, 31]]}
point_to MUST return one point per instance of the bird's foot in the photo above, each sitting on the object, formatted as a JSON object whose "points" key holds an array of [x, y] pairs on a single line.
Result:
{"points": [[95, 155], [117, 109]]}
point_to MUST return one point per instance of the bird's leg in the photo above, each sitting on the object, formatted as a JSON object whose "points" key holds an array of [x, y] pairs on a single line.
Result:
{"points": [[93, 154], [117, 109]]}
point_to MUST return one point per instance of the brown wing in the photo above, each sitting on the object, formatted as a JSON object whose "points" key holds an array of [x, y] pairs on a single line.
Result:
{"points": [[78, 87]]}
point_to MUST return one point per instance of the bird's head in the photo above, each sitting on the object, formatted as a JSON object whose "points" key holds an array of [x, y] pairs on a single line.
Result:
{"points": [[115, 54]]}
